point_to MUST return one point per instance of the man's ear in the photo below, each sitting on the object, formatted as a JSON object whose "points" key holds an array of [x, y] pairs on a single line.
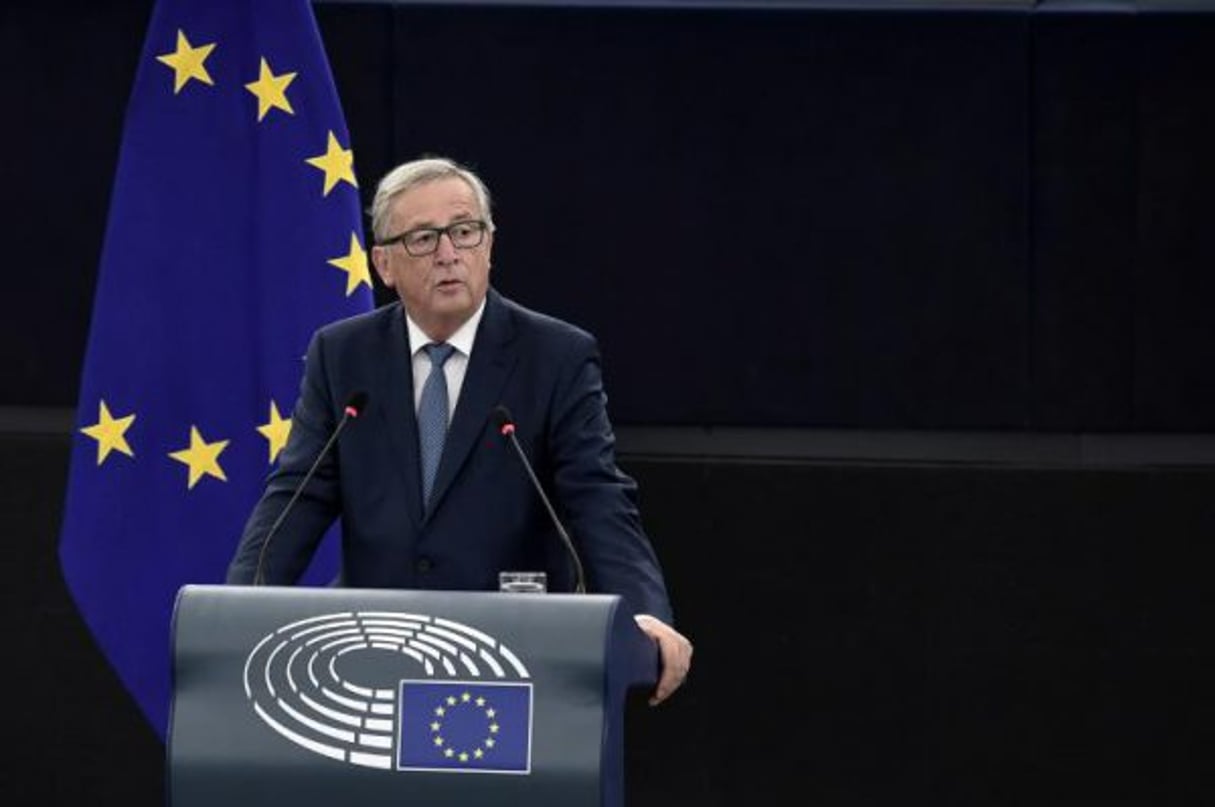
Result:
{"points": [[379, 259]]}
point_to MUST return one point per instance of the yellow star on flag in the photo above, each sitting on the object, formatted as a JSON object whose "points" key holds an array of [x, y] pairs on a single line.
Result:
{"points": [[110, 433], [354, 264], [202, 457], [271, 91], [337, 163], [187, 62], [276, 431]]}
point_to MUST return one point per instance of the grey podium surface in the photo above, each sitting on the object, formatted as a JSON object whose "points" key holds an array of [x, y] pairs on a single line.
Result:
{"points": [[323, 696]]}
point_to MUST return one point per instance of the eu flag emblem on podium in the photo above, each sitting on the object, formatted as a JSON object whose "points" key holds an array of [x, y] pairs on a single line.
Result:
{"points": [[465, 726], [234, 231]]}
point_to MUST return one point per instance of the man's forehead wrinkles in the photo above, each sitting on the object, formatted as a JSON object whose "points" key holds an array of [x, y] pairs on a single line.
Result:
{"points": [[423, 221]]}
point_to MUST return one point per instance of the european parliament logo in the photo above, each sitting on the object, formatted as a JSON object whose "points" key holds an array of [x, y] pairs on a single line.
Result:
{"points": [[396, 691]]}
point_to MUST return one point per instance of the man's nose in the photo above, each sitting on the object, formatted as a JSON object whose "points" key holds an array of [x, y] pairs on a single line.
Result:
{"points": [[446, 251]]}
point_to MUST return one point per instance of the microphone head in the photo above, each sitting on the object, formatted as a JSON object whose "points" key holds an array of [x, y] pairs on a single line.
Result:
{"points": [[355, 404], [506, 423]]}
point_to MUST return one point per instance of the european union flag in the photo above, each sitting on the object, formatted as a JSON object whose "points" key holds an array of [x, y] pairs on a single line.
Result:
{"points": [[465, 726], [234, 231]]}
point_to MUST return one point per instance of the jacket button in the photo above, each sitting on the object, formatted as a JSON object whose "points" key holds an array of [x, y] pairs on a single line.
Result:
{"points": [[423, 565]]}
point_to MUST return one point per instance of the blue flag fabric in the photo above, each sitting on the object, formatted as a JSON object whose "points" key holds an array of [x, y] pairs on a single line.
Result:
{"points": [[234, 231], [465, 726]]}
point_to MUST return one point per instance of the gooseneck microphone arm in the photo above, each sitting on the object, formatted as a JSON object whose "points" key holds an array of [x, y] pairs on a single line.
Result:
{"points": [[354, 407], [506, 426]]}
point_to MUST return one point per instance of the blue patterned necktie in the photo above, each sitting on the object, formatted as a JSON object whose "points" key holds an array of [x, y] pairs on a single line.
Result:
{"points": [[432, 416]]}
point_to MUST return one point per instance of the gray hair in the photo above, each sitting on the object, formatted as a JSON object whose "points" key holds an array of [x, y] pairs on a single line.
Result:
{"points": [[407, 176]]}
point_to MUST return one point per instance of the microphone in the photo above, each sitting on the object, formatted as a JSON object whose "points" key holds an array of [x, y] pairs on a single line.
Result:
{"points": [[506, 426], [353, 408]]}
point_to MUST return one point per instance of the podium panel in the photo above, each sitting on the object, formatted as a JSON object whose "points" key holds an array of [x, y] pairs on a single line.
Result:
{"points": [[309, 696]]}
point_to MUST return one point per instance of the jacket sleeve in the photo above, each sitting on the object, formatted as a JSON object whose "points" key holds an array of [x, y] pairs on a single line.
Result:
{"points": [[598, 500]]}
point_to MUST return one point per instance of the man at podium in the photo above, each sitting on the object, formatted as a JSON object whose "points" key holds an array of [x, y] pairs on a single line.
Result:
{"points": [[436, 427]]}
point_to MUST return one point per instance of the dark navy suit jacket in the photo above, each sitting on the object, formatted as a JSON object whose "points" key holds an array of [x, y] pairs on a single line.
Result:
{"points": [[484, 515]]}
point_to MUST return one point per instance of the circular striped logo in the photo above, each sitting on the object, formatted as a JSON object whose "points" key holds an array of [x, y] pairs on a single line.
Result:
{"points": [[332, 683]]}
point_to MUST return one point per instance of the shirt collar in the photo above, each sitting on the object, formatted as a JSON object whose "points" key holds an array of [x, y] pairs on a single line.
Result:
{"points": [[462, 340]]}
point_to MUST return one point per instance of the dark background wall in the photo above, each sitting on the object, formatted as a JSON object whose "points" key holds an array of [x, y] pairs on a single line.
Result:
{"points": [[925, 450]]}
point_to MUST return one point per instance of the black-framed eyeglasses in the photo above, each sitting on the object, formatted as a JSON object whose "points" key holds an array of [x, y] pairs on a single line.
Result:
{"points": [[425, 240]]}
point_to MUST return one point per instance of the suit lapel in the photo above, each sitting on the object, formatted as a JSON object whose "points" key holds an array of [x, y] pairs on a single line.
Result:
{"points": [[488, 368], [400, 421]]}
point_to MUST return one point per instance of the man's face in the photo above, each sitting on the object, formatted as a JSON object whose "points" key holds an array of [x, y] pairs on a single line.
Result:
{"points": [[443, 289]]}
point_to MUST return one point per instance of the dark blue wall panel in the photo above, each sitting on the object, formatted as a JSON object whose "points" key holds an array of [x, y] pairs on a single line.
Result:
{"points": [[806, 219], [881, 215]]}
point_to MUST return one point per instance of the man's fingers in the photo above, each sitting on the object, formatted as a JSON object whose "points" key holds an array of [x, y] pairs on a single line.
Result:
{"points": [[676, 652], [666, 687]]}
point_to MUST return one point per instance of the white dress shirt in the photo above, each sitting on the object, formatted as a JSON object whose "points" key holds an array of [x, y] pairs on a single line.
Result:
{"points": [[456, 365]]}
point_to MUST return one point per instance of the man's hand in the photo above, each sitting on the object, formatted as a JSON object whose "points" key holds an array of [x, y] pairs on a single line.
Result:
{"points": [[675, 651]]}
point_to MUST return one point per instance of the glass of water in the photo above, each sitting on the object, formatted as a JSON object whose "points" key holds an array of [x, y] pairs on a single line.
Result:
{"points": [[523, 582]]}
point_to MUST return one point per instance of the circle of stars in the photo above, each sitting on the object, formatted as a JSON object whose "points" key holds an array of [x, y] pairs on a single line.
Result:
{"points": [[200, 456], [465, 700], [188, 63]]}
